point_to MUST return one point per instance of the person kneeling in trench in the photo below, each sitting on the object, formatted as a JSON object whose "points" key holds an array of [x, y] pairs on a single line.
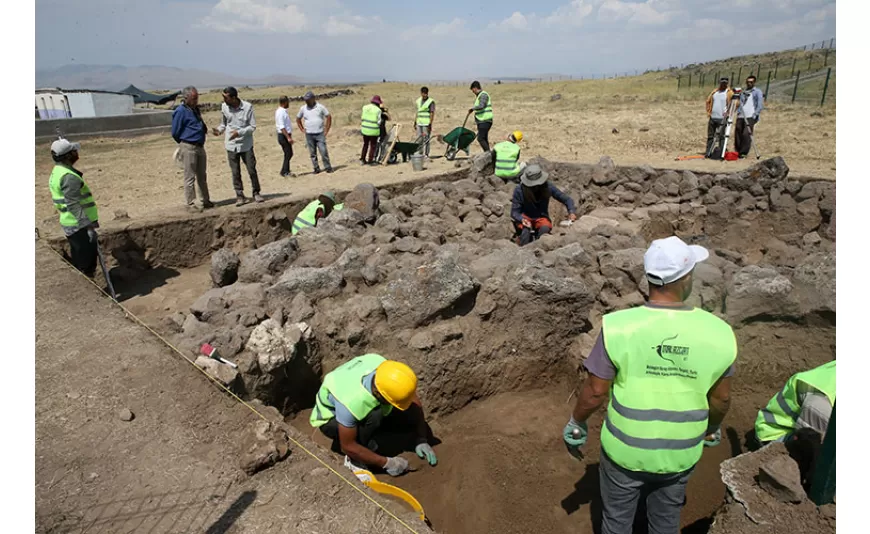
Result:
{"points": [[530, 206], [353, 402]]}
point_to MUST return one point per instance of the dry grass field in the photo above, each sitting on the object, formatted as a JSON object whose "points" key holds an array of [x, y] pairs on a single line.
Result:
{"points": [[655, 124]]}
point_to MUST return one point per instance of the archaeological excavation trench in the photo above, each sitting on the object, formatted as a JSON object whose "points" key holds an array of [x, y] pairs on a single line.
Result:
{"points": [[426, 273]]}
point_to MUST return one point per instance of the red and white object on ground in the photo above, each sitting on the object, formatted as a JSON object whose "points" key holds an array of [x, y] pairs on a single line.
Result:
{"points": [[211, 352]]}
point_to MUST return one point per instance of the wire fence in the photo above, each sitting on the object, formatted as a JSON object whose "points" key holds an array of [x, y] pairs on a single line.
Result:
{"points": [[804, 75]]}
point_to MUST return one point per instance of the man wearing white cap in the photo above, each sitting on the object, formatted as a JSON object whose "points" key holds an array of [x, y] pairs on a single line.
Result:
{"points": [[75, 205], [667, 367]]}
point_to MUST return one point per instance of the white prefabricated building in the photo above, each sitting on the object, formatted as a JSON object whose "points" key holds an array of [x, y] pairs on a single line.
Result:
{"points": [[78, 103]]}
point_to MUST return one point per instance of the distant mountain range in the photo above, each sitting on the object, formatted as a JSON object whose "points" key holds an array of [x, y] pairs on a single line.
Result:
{"points": [[147, 77]]}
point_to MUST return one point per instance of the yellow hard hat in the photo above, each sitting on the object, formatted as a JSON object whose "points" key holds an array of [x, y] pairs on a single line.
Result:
{"points": [[518, 136], [397, 383]]}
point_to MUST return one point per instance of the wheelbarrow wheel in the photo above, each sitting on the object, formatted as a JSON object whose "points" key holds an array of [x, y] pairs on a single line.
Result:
{"points": [[451, 153], [393, 158]]}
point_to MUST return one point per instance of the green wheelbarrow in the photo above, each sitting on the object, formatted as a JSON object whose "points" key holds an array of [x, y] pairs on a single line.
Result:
{"points": [[458, 139]]}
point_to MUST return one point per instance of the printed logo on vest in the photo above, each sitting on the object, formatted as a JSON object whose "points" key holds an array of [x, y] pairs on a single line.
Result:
{"points": [[666, 352]]}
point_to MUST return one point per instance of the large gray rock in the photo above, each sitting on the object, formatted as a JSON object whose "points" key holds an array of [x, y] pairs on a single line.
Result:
{"points": [[316, 282], [211, 306], [439, 288], [365, 199], [222, 372], [482, 164], [388, 222], [347, 217], [815, 280], [759, 292], [224, 267], [708, 289], [263, 445], [552, 286], [572, 255], [624, 268], [262, 264], [781, 478]]}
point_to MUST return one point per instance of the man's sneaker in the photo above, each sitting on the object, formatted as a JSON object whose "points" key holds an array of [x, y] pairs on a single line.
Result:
{"points": [[241, 201], [362, 162], [194, 208], [258, 198], [329, 170], [207, 204], [316, 171]]}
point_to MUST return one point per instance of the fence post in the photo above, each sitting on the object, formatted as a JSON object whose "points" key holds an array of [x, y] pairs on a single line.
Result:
{"points": [[824, 482], [758, 70], [679, 82], [825, 90], [717, 78], [793, 65], [767, 88], [739, 75], [814, 46], [775, 68], [826, 56], [810, 65], [690, 80], [731, 79], [796, 81]]}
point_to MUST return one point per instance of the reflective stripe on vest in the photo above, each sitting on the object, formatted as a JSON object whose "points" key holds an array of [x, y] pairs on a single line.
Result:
{"points": [[345, 385], [778, 418], [507, 155], [484, 114], [424, 118], [371, 117], [666, 362], [87, 202], [307, 217]]}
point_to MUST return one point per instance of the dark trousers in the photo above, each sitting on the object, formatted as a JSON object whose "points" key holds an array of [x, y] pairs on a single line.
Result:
{"points": [[365, 429], [370, 143], [483, 134], [288, 153], [235, 159], [83, 253], [743, 136], [714, 127], [621, 490]]}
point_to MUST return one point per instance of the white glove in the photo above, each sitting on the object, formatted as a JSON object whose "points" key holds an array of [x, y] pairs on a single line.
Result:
{"points": [[396, 466], [92, 234]]}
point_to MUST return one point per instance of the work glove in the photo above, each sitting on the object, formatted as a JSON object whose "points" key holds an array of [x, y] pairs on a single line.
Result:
{"points": [[425, 451], [575, 435], [396, 466], [92, 234], [713, 438]]}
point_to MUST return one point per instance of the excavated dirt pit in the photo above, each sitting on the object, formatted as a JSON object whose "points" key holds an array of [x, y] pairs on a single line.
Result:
{"points": [[497, 333]]}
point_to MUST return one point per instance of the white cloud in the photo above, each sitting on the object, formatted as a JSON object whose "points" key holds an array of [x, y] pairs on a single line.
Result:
{"points": [[649, 13], [440, 29], [572, 14], [517, 21], [273, 16], [350, 25]]}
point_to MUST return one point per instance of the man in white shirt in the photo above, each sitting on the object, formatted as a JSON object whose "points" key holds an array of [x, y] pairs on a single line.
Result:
{"points": [[316, 125], [751, 104], [717, 109], [238, 122], [285, 133]]}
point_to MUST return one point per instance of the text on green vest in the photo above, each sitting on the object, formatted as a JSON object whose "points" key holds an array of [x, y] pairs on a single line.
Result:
{"points": [[88, 203], [666, 363]]}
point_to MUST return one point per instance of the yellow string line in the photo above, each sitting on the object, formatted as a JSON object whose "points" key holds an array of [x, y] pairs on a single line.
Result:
{"points": [[216, 381]]}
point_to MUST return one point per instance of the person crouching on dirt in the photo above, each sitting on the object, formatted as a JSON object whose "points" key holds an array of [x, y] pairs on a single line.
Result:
{"points": [[803, 405], [354, 400], [76, 206], [316, 210], [530, 206]]}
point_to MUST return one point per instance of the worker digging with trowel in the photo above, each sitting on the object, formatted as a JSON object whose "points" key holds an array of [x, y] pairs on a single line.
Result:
{"points": [[355, 399], [317, 209], [530, 206]]}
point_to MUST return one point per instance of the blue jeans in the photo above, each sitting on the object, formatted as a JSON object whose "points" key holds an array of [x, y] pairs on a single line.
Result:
{"points": [[317, 142]]}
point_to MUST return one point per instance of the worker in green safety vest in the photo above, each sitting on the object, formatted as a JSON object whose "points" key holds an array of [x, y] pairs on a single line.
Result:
{"points": [[506, 156], [316, 210], [482, 110], [667, 368], [370, 127], [805, 402], [425, 117], [353, 402], [75, 205]]}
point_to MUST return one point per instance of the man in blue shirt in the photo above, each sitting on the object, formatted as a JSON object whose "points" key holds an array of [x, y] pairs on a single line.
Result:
{"points": [[189, 131], [530, 205]]}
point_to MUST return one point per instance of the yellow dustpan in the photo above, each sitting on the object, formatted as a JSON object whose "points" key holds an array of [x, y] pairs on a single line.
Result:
{"points": [[367, 478]]}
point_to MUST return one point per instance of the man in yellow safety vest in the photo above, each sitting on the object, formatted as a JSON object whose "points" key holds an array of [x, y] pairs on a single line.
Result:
{"points": [[76, 206], [805, 402], [425, 117], [506, 156], [482, 110], [353, 402], [667, 368], [370, 127], [317, 209]]}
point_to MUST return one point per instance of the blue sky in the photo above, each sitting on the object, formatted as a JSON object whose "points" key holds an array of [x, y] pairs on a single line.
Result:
{"points": [[448, 39]]}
